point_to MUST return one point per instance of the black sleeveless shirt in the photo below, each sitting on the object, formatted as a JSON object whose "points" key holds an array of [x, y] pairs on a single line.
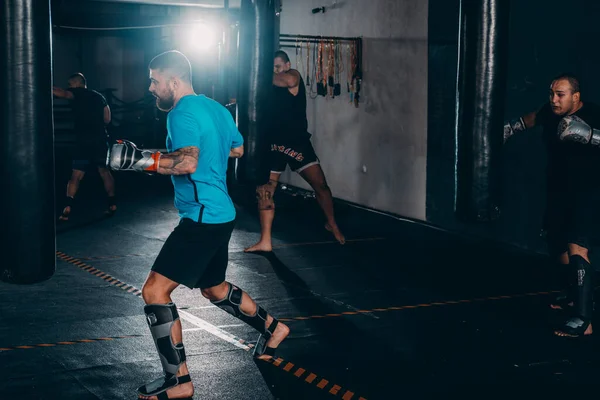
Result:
{"points": [[289, 115], [88, 111]]}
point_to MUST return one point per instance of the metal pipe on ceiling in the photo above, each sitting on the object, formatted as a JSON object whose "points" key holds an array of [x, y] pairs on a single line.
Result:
{"points": [[185, 3]]}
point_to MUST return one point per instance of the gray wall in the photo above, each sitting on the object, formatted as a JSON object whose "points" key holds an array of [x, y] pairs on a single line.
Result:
{"points": [[388, 132]]}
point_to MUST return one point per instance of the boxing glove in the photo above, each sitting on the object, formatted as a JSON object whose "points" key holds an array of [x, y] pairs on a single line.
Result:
{"points": [[573, 129], [125, 156], [513, 126]]}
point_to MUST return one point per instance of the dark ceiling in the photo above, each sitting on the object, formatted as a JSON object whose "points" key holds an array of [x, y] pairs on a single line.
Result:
{"points": [[135, 13]]}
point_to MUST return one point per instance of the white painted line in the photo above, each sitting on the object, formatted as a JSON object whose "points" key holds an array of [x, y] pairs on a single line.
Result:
{"points": [[196, 308], [210, 328], [220, 327]]}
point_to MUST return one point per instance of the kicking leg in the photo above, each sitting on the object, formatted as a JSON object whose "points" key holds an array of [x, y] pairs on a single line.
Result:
{"points": [[266, 210], [239, 304], [315, 177], [580, 323], [109, 186], [165, 327], [72, 188]]}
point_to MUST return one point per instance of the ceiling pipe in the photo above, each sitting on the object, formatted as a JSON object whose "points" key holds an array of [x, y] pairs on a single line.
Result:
{"points": [[184, 3]]}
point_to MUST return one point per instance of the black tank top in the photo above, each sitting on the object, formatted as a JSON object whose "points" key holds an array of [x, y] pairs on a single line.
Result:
{"points": [[88, 111], [289, 119]]}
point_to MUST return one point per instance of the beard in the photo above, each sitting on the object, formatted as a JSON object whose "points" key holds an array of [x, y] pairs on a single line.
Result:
{"points": [[562, 111], [166, 102]]}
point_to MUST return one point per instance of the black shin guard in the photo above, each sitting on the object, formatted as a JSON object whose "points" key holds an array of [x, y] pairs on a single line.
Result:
{"points": [[568, 282], [160, 318], [584, 286], [231, 303], [112, 201]]}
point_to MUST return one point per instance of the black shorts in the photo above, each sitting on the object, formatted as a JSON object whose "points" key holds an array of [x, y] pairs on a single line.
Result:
{"points": [[571, 218], [195, 254], [298, 156], [89, 157]]}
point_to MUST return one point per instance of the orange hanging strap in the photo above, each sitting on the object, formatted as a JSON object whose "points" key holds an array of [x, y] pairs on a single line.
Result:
{"points": [[319, 66], [357, 73], [307, 63], [321, 82], [337, 67], [330, 68], [298, 55], [351, 71]]}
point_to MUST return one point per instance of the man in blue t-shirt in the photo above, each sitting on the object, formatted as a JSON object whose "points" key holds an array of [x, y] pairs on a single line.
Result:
{"points": [[201, 137]]}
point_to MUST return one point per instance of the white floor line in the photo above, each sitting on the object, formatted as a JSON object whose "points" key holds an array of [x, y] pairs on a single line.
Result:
{"points": [[210, 328], [220, 327]]}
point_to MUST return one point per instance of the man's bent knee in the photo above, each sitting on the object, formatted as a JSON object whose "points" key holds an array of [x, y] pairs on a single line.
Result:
{"points": [[150, 292], [321, 187], [231, 302], [157, 289], [215, 292], [578, 248], [76, 177], [264, 194]]}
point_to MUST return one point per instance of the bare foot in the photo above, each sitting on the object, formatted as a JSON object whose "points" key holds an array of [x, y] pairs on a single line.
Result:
{"points": [[181, 391], [281, 332], [260, 246], [588, 331], [65, 214], [339, 236]]}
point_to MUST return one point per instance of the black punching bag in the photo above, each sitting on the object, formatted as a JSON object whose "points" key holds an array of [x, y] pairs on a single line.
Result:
{"points": [[27, 144], [481, 89], [277, 25], [222, 92], [255, 74]]}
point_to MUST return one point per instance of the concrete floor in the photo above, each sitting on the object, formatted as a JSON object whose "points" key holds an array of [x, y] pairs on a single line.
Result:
{"points": [[401, 310]]}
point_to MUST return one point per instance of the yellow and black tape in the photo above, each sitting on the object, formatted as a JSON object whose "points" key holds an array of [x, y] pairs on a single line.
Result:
{"points": [[108, 278], [67, 343], [313, 379]]}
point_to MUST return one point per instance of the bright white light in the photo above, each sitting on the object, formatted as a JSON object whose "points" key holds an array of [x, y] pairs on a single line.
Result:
{"points": [[202, 37]]}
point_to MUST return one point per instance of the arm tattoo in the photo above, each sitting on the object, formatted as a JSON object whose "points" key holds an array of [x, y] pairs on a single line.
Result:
{"points": [[180, 162]]}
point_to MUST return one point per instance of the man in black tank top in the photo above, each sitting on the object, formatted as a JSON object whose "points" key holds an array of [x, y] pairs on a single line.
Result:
{"points": [[573, 192], [290, 145], [91, 114]]}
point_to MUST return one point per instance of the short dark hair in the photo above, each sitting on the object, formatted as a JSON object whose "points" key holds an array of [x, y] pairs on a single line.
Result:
{"points": [[174, 61], [79, 78], [573, 80], [283, 55]]}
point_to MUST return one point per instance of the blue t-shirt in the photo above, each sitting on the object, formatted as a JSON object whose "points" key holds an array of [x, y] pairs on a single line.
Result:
{"points": [[199, 121]]}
